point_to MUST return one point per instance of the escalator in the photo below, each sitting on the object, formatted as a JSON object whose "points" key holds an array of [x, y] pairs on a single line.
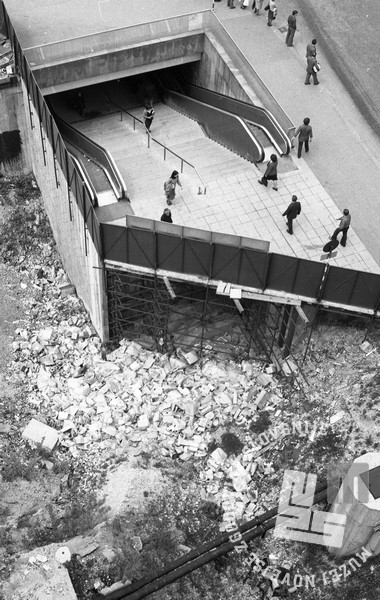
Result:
{"points": [[97, 167], [250, 131]]}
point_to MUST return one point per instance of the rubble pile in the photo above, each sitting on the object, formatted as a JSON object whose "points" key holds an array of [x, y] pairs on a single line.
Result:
{"points": [[173, 405]]}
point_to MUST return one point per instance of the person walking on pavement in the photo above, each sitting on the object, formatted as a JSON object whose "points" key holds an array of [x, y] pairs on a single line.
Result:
{"points": [[292, 26], [257, 6], [311, 49], [293, 210], [167, 216], [344, 226], [170, 185], [305, 135], [311, 69], [272, 12], [148, 116], [270, 173]]}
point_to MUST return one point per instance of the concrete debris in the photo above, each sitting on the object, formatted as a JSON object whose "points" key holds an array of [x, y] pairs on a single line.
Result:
{"points": [[174, 406], [136, 543], [40, 434]]}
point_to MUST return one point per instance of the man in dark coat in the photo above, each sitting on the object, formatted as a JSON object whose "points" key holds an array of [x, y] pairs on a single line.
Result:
{"points": [[293, 210], [344, 225], [311, 49], [292, 26], [305, 135]]}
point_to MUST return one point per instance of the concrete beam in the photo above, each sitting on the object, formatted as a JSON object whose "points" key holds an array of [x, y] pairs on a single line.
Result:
{"points": [[134, 59]]}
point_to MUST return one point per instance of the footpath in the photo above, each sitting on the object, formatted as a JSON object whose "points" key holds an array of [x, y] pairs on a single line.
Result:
{"points": [[344, 152]]}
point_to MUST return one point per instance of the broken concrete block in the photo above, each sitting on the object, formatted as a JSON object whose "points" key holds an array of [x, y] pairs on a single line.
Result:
{"points": [[137, 543], [365, 346], [264, 379], [143, 422], [262, 400], [66, 289], [109, 554], [41, 434]]}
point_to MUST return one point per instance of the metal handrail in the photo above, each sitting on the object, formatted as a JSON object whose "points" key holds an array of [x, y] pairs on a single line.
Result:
{"points": [[166, 149]]}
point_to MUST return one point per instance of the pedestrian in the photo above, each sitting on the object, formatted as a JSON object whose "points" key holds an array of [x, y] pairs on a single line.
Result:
{"points": [[344, 226], [244, 4], [305, 135], [79, 102], [270, 173], [230, 3], [257, 6], [291, 213], [148, 116], [312, 68], [272, 12], [292, 26], [311, 49], [167, 216], [170, 185]]}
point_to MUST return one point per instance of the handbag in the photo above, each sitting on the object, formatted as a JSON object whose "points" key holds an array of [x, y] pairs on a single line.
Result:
{"points": [[317, 68], [267, 7]]}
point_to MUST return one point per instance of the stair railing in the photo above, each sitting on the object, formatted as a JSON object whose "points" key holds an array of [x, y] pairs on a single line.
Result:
{"points": [[165, 148]]}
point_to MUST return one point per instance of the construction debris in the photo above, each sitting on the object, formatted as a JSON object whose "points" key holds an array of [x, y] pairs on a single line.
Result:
{"points": [[41, 434]]}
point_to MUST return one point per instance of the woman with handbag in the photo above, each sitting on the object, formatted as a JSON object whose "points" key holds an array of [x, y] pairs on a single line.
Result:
{"points": [[170, 185], [270, 173]]}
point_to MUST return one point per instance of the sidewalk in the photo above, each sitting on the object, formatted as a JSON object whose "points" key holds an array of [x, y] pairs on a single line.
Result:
{"points": [[344, 149]]}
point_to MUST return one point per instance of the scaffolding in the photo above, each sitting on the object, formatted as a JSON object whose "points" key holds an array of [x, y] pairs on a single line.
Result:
{"points": [[171, 315]]}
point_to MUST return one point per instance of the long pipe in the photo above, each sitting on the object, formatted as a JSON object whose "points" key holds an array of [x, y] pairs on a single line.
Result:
{"points": [[201, 556]]}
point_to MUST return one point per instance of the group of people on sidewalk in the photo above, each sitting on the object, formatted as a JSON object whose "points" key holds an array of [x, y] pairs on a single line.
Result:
{"points": [[294, 209]]}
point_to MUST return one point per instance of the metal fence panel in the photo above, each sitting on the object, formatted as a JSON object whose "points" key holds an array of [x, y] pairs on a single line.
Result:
{"points": [[197, 257], [352, 287], [253, 268], [226, 263], [170, 252], [141, 248], [295, 275], [115, 244]]}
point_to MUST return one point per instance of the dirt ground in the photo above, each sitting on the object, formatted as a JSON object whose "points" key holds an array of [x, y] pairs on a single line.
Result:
{"points": [[156, 505]]}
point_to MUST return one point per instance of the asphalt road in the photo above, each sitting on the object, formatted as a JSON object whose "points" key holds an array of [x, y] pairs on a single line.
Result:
{"points": [[348, 32]]}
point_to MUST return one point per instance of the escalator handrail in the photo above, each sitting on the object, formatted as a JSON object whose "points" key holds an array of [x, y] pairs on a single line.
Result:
{"points": [[108, 164], [253, 108], [86, 180], [183, 160], [238, 119]]}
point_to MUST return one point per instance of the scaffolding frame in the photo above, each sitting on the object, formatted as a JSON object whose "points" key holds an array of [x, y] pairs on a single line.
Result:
{"points": [[171, 315]]}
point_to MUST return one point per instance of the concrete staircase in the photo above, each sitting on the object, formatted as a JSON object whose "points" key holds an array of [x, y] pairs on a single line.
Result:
{"points": [[144, 169]]}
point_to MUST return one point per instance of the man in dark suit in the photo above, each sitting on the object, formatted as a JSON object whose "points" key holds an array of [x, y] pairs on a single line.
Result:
{"points": [[292, 26], [311, 49], [293, 210]]}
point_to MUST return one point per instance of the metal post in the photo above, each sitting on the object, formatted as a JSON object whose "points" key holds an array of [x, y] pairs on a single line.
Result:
{"points": [[291, 329]]}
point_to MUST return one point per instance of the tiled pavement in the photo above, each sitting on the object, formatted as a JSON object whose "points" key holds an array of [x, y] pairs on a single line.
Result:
{"points": [[234, 204]]}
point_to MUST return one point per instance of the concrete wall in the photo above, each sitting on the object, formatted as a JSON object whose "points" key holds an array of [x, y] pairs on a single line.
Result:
{"points": [[147, 56], [217, 71], [85, 272], [13, 119]]}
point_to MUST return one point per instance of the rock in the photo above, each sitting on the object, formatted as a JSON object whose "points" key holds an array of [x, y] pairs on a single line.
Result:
{"points": [[41, 434], [264, 379], [143, 422], [136, 543], [109, 554]]}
